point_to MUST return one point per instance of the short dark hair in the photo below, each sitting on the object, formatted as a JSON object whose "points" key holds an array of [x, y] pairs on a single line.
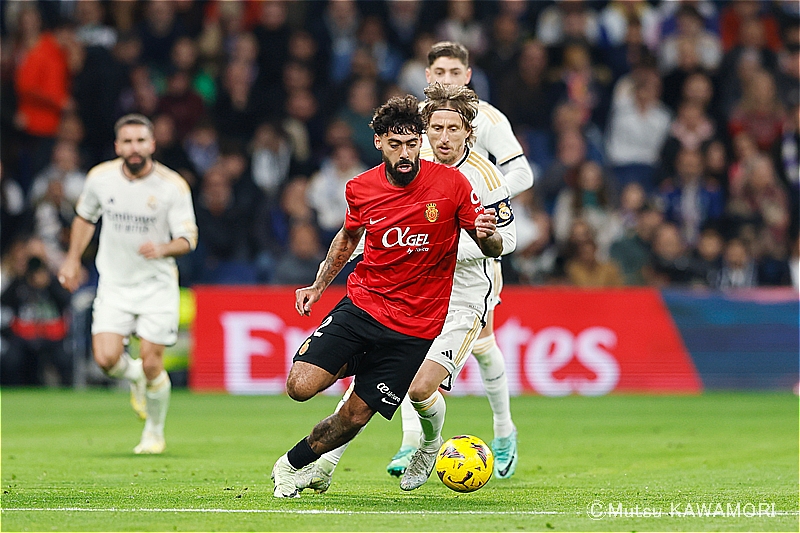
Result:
{"points": [[398, 115], [448, 49], [133, 118]]}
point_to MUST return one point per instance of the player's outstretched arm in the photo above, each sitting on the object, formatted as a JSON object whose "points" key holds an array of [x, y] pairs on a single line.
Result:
{"points": [[80, 235], [485, 234], [342, 247]]}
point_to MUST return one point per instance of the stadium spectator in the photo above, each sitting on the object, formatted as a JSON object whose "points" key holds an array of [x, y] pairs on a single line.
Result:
{"points": [[706, 258], [299, 265], [633, 251], [636, 132], [35, 323], [240, 106], [735, 15], [362, 99], [159, 31], [687, 64], [617, 17], [590, 198], [42, 85], [224, 250], [669, 262], [182, 103], [691, 201], [563, 171], [738, 267], [272, 32], [202, 146], [411, 78], [460, 25], [15, 212], [326, 188], [525, 94], [170, 151], [582, 83], [762, 201], [786, 158], [270, 159], [585, 269], [691, 129], [759, 112], [185, 57], [91, 28], [372, 38], [534, 260], [565, 21]]}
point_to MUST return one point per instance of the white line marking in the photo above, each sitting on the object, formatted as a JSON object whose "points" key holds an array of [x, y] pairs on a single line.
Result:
{"points": [[331, 512]]}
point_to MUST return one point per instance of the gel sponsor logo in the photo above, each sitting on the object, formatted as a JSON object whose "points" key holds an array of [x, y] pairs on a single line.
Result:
{"points": [[399, 237]]}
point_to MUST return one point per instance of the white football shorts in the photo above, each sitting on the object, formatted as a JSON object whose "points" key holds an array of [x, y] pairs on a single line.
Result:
{"points": [[454, 344], [150, 310], [497, 285]]}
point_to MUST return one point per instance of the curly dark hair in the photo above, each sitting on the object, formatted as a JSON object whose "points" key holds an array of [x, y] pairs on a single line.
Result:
{"points": [[398, 115]]}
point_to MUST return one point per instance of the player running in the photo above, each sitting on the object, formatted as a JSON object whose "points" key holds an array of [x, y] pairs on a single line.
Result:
{"points": [[449, 111], [148, 219], [397, 297]]}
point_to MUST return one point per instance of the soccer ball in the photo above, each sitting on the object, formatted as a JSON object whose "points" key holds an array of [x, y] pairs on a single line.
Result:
{"points": [[464, 463]]}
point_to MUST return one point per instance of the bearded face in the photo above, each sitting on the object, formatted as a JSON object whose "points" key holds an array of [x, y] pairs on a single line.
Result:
{"points": [[403, 171]]}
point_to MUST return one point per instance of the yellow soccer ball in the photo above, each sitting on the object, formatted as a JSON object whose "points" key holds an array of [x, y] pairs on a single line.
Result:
{"points": [[464, 463]]}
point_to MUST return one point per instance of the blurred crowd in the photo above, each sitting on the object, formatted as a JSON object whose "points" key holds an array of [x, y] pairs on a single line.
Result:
{"points": [[664, 135]]}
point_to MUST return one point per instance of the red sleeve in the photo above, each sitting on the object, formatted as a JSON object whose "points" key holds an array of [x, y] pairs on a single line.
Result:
{"points": [[469, 203], [352, 219]]}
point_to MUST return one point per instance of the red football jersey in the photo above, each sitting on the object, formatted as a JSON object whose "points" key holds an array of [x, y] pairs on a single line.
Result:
{"points": [[405, 277]]}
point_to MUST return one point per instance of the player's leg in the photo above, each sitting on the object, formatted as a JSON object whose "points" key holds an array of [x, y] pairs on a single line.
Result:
{"points": [[111, 325], [326, 355], [318, 475], [444, 360], [412, 433], [495, 382], [158, 391], [331, 433], [431, 408]]}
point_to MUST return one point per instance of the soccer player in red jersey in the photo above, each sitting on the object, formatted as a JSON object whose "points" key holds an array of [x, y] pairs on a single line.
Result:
{"points": [[398, 294]]}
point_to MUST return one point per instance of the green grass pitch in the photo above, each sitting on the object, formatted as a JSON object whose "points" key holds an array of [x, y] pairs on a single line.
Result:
{"points": [[714, 462]]}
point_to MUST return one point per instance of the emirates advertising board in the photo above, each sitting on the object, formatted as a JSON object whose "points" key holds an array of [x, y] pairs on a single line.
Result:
{"points": [[556, 341]]}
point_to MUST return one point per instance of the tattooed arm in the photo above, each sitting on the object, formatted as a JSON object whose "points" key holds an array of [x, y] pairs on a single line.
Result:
{"points": [[342, 246]]}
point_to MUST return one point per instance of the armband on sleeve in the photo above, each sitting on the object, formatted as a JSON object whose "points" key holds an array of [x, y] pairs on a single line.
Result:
{"points": [[505, 215]]}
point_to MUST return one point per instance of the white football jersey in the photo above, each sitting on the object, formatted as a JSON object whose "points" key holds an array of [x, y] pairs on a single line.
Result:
{"points": [[156, 208], [474, 274]]}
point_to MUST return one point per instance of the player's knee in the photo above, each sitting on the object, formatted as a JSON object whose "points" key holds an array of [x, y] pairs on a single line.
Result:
{"points": [[421, 390], [105, 358], [483, 348], [299, 388]]}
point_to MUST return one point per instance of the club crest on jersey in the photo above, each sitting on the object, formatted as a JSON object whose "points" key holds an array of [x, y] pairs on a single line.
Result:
{"points": [[304, 348], [152, 203], [504, 211], [431, 213]]}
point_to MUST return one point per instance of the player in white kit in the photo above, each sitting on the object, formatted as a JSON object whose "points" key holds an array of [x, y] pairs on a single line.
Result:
{"points": [[148, 220], [449, 111], [448, 63]]}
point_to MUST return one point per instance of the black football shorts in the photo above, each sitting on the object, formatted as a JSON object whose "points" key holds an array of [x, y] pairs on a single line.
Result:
{"points": [[383, 361]]}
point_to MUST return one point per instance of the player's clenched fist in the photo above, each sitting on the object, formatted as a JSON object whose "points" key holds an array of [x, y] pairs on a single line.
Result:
{"points": [[486, 223]]}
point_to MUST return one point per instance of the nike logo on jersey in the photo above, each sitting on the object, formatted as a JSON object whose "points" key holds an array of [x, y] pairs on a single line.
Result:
{"points": [[384, 400], [376, 220]]}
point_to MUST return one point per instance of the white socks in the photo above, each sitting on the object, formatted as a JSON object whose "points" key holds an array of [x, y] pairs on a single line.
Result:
{"points": [[127, 368], [158, 393], [493, 373], [431, 414], [412, 430]]}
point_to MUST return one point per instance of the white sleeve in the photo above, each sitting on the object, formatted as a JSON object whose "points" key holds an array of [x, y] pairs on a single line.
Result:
{"points": [[181, 218], [519, 175], [88, 206]]}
